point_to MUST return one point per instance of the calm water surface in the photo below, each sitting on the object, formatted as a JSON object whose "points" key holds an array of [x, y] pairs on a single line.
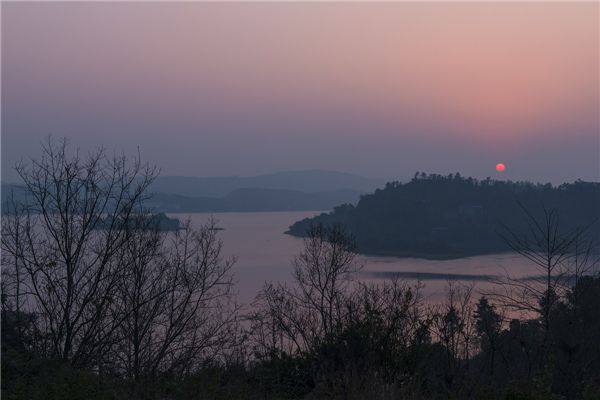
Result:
{"points": [[264, 253]]}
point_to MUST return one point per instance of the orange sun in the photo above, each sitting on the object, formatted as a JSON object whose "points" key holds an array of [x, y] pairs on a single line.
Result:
{"points": [[500, 167]]}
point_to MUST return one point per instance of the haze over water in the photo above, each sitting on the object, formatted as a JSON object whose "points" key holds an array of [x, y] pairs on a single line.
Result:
{"points": [[265, 254]]}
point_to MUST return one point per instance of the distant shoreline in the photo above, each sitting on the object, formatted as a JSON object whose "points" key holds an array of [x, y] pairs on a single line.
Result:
{"points": [[244, 212]]}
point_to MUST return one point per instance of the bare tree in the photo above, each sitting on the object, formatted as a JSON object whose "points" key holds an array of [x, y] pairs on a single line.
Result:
{"points": [[559, 255], [278, 325], [139, 297], [323, 271], [453, 325], [65, 243], [106, 289], [351, 333], [300, 316], [13, 226], [381, 323], [176, 294]]}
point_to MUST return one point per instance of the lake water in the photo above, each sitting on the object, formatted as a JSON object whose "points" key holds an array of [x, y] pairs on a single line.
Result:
{"points": [[264, 253]]}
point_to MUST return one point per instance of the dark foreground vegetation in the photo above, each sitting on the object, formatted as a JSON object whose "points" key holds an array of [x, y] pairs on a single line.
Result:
{"points": [[130, 311], [435, 216]]}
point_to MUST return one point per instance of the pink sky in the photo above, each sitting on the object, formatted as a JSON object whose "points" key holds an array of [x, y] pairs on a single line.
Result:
{"points": [[379, 89]]}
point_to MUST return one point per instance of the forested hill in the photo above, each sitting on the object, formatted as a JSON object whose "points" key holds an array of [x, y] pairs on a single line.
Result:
{"points": [[435, 216]]}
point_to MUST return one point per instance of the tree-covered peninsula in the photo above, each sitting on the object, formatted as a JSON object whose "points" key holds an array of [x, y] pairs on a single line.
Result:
{"points": [[436, 216]]}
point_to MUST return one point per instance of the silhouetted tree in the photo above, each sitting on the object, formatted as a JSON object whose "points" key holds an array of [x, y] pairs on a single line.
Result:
{"points": [[555, 252], [68, 268], [488, 324], [98, 282]]}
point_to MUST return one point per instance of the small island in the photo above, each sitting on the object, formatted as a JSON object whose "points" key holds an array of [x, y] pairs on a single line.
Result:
{"points": [[158, 221]]}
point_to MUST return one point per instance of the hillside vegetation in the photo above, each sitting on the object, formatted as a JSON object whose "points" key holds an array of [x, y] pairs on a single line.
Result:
{"points": [[435, 216]]}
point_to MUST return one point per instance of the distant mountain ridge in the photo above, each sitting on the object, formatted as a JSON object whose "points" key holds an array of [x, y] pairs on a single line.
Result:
{"points": [[311, 190], [254, 199], [307, 181]]}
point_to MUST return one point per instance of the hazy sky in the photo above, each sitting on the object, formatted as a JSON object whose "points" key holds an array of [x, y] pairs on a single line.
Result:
{"points": [[381, 89]]}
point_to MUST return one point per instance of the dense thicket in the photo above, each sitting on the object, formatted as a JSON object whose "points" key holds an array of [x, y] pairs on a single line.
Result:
{"points": [[437, 216]]}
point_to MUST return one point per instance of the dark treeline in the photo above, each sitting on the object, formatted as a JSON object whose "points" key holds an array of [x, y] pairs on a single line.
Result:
{"points": [[130, 311], [437, 216]]}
